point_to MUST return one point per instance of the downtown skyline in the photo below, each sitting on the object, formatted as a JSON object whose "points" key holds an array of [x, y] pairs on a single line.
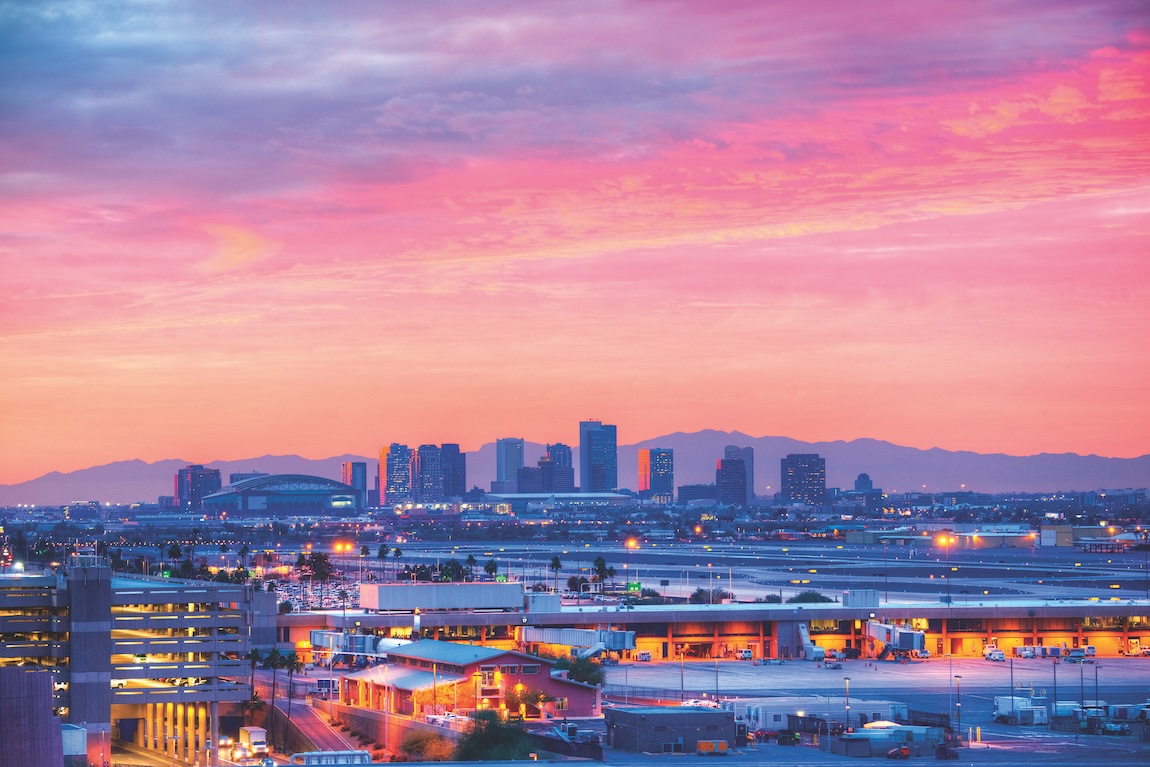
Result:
{"points": [[229, 233]]}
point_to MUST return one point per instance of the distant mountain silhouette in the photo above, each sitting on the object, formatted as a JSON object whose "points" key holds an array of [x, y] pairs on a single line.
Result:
{"points": [[891, 467]]}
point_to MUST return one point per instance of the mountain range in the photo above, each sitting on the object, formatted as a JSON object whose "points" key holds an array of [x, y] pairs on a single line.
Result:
{"points": [[891, 467]]}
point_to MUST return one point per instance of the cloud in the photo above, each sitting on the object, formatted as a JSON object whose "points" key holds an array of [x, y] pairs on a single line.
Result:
{"points": [[236, 248]]}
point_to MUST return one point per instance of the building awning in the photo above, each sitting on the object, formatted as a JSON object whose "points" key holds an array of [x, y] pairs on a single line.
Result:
{"points": [[400, 678]]}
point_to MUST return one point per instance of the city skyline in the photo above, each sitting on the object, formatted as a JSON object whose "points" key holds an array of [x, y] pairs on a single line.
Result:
{"points": [[226, 234]]}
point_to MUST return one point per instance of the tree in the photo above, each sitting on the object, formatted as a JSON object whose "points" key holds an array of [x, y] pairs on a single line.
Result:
{"points": [[381, 555], [243, 552], [294, 665], [452, 571], [603, 572], [713, 596], [274, 660], [472, 562], [581, 670], [396, 554], [518, 700], [321, 566], [807, 597], [489, 739], [576, 582], [254, 658], [175, 552], [252, 705], [364, 550], [491, 568], [343, 596], [426, 746], [556, 565]]}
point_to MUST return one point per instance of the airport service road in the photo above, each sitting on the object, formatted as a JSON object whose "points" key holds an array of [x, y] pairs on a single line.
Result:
{"points": [[924, 685]]}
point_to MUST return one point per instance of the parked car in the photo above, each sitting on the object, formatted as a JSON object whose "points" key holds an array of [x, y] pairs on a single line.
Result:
{"points": [[833, 665], [1115, 728], [943, 751]]}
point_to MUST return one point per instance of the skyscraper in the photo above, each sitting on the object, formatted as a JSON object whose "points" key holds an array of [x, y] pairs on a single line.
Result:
{"points": [[748, 456], [508, 462], [598, 458], [657, 474], [427, 485], [804, 478], [354, 474], [193, 483], [731, 481], [454, 470], [560, 455], [397, 472]]}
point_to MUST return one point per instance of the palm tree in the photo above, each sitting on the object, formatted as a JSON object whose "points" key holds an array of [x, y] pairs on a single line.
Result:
{"points": [[243, 552], [252, 705], [397, 554], [556, 566], [343, 596], [275, 661], [254, 658], [491, 568], [381, 555], [293, 665], [471, 563]]}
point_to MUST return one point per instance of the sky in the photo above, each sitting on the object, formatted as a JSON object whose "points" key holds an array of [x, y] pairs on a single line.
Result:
{"points": [[235, 229]]}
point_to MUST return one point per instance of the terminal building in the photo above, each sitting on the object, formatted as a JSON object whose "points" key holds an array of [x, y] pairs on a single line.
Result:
{"points": [[152, 661]]}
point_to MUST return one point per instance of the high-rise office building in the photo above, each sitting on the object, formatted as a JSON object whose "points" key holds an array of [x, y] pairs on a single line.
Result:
{"points": [[657, 474], [454, 470], [731, 481], [748, 456], [598, 457], [193, 483], [804, 478], [560, 455], [553, 474], [427, 475], [396, 461], [508, 462], [354, 474]]}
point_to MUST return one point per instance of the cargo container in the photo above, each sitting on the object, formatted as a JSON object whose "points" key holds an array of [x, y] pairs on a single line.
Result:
{"points": [[711, 747]]}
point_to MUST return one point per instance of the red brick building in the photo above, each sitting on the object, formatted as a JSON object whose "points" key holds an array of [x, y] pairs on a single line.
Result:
{"points": [[430, 678]]}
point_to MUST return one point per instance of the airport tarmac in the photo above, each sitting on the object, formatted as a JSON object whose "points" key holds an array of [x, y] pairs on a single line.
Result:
{"points": [[933, 686]]}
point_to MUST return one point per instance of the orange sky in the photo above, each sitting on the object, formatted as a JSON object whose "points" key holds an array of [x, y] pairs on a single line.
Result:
{"points": [[347, 227]]}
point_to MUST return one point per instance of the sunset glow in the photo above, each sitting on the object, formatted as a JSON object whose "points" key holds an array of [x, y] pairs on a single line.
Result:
{"points": [[322, 228]]}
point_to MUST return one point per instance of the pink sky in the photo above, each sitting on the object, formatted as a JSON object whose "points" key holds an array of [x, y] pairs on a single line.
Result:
{"points": [[318, 229]]}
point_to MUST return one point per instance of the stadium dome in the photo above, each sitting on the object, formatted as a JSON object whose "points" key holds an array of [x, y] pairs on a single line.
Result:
{"points": [[281, 495]]}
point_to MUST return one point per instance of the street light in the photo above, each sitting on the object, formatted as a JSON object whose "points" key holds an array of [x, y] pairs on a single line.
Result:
{"points": [[847, 682], [958, 704]]}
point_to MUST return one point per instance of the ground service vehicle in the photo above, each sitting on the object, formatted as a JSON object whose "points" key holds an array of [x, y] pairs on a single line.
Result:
{"points": [[943, 751], [254, 740], [643, 655], [899, 752], [744, 654]]}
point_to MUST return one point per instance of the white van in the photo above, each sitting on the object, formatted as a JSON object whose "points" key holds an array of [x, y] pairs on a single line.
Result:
{"points": [[744, 654], [644, 655]]}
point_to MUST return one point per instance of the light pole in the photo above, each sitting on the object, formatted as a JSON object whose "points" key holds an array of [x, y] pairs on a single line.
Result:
{"points": [[1054, 711], [958, 705], [710, 585], [885, 574], [847, 682], [682, 663]]}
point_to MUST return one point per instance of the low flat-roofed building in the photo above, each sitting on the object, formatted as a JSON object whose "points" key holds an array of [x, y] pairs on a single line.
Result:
{"points": [[667, 729]]}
